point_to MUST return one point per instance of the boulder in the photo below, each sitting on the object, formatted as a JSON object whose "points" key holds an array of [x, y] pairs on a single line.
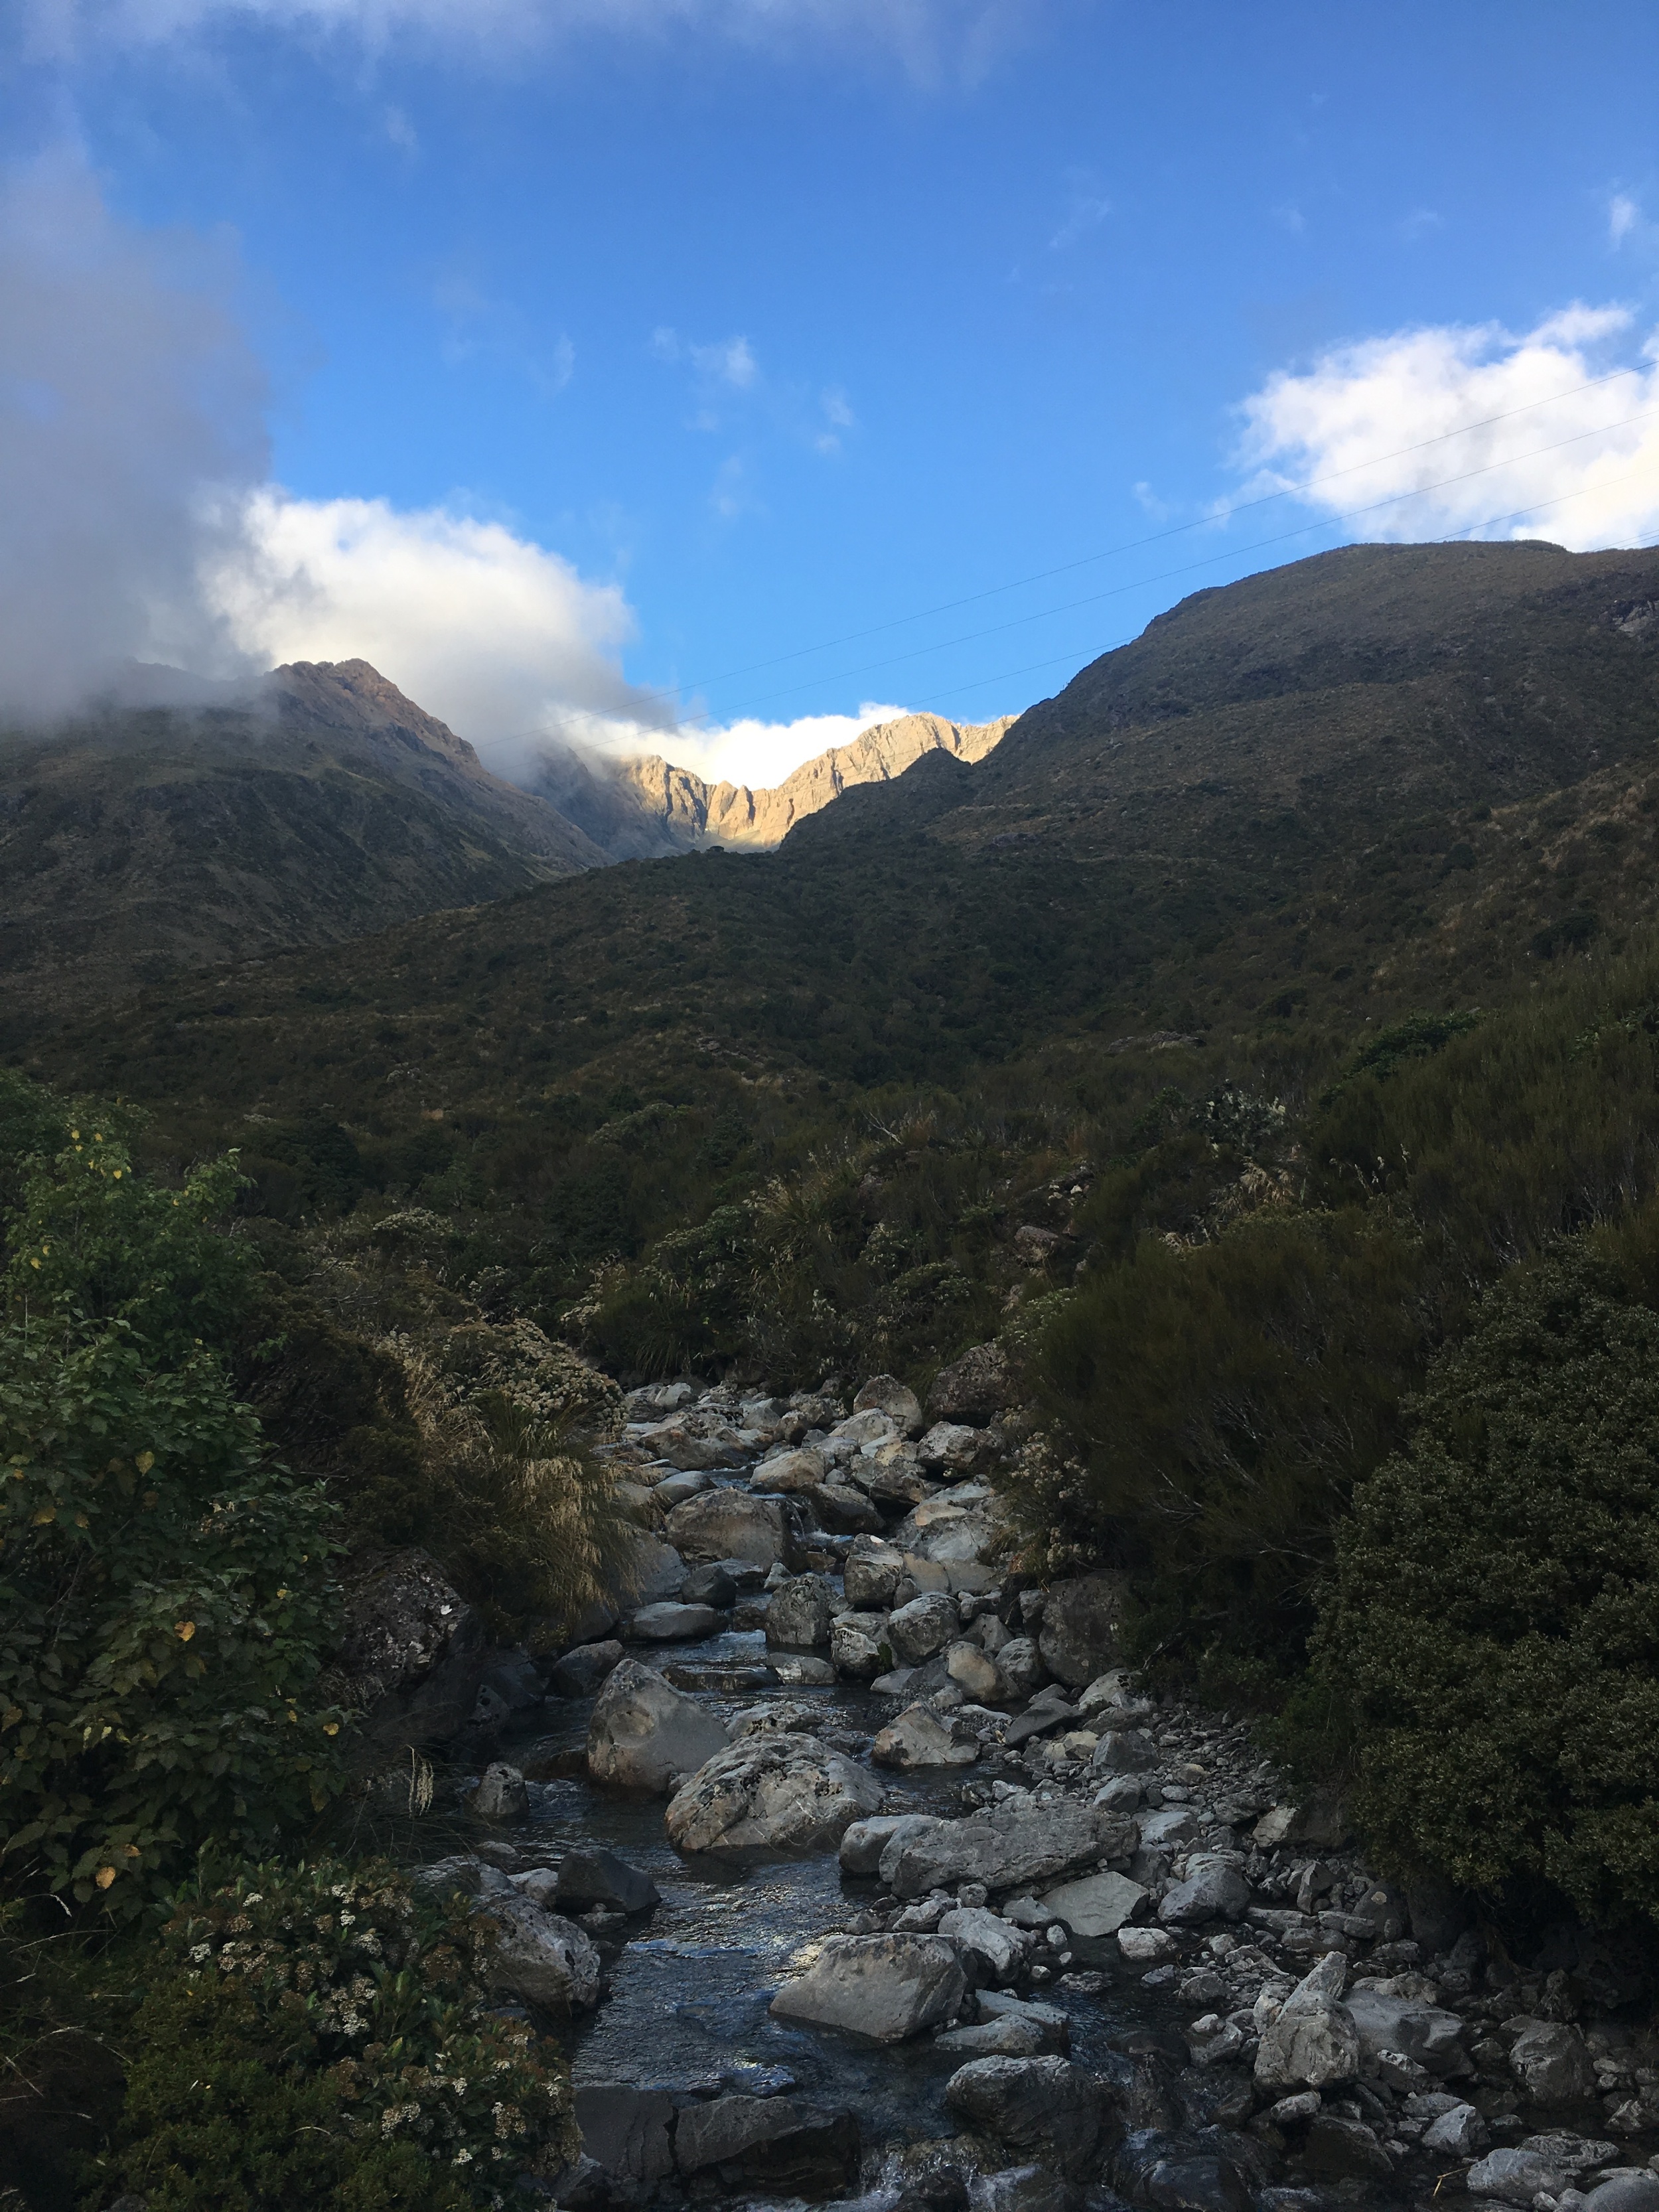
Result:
{"points": [[799, 1615], [785, 2145], [1005, 1847], [713, 1585], [727, 1524], [655, 1570], [501, 1795], [927, 1625], [1621, 2192], [675, 1489], [1167, 1828], [580, 1672], [411, 1654], [1212, 1890], [800, 1669], [1022, 1666], [872, 1572], [599, 1877], [1046, 2105], [1097, 1905], [858, 1646], [548, 1961], [1339, 2148], [864, 1843], [1517, 2176], [993, 1951], [975, 1388], [1146, 1947], [1008, 2038], [1081, 1632], [920, 1737], [882, 1987], [885, 1394], [974, 1673], [643, 1734], [627, 2132], [671, 1622], [1020, 2188], [893, 1477], [1425, 2033], [1462, 2133], [872, 1427], [952, 1448], [845, 1511], [1553, 2064], [1125, 1751], [1314, 2040], [789, 1471], [774, 1792]]}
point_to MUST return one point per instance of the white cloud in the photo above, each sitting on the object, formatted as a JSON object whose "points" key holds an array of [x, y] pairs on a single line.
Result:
{"points": [[1623, 216], [726, 361], [759, 754], [934, 41], [1582, 468]]}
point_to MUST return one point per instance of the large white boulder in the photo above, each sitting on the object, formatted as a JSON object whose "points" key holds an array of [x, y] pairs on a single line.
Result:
{"points": [[774, 1792], [884, 1987], [920, 1737], [1314, 2041]]}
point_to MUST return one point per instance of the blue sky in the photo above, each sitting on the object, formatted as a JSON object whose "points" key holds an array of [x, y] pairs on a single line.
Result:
{"points": [[779, 321]]}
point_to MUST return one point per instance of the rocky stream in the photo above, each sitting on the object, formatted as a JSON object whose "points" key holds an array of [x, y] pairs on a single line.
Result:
{"points": [[852, 1865]]}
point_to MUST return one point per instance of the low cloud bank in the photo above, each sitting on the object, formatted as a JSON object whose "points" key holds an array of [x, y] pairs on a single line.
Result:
{"points": [[1581, 469]]}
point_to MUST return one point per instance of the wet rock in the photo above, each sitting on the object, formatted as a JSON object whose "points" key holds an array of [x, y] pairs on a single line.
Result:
{"points": [[927, 1625], [710, 1585], [599, 1877], [920, 1737], [1462, 2133], [501, 1795], [865, 1842], [643, 1734], [580, 1672], [1146, 1947], [675, 1489], [1080, 1637], [859, 1647], [1424, 2033], [993, 1951], [671, 1622], [799, 1612], [872, 1572], [1009, 2038], [845, 1511], [1005, 1847], [772, 1792], [548, 1961], [1193, 2183], [783, 2143], [1047, 2105], [627, 2132], [893, 1477], [975, 1388], [1517, 2176], [790, 1471], [411, 1652], [1212, 1891], [1021, 2188], [871, 1426], [883, 1987], [727, 1524], [1553, 2064], [1338, 2148], [1622, 2192], [1314, 2040], [885, 1394], [1097, 1905], [800, 1670]]}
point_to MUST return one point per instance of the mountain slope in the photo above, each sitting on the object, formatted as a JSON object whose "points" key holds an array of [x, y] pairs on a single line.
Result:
{"points": [[138, 841], [644, 808]]}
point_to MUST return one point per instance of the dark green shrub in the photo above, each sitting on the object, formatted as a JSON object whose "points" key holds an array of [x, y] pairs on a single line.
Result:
{"points": [[1493, 1629], [321, 2035]]}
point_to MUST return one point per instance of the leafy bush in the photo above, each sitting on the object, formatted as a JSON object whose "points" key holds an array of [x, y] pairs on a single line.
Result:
{"points": [[321, 2035], [164, 1593], [1493, 1629]]}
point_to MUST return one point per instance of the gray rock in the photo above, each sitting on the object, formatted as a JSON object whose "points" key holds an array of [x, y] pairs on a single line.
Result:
{"points": [[643, 1734], [1553, 2064], [993, 1951], [883, 1987], [858, 1645], [727, 1524], [1040, 1717], [1020, 2188], [885, 1394], [656, 1570], [1212, 1891], [864, 1843], [1022, 1666], [1624, 2192], [1517, 2176], [772, 1793], [1462, 2133], [974, 1673], [599, 1877], [898, 1683], [516, 1679], [952, 1448], [1125, 1751], [799, 1612], [845, 1511], [711, 1585], [975, 1387], [1146, 1947], [626, 2130], [801, 1670], [920, 1737], [927, 1625], [792, 2147], [1006, 1848], [1047, 2105], [1314, 2041], [580, 1672], [1338, 2148], [1081, 1633], [671, 1622], [548, 1961], [411, 1655], [1425, 2033], [501, 1795], [675, 1489], [1097, 1905], [1167, 1828], [790, 1473], [1009, 2038], [872, 1572]]}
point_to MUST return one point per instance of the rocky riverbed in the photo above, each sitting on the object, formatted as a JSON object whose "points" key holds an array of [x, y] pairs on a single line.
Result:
{"points": [[853, 1866]]}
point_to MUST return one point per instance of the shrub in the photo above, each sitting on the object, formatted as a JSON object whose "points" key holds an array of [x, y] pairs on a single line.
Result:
{"points": [[321, 2035], [1492, 1628]]}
